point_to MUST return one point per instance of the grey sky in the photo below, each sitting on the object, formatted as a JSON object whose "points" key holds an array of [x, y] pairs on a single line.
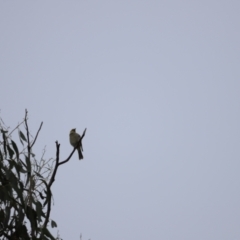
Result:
{"points": [[157, 85]]}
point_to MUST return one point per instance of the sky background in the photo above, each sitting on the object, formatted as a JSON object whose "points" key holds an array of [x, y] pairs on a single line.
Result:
{"points": [[156, 84]]}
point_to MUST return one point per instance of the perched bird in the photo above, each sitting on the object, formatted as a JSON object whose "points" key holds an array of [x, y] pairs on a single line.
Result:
{"points": [[74, 141]]}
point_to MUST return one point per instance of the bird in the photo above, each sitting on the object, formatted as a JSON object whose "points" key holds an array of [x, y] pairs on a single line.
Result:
{"points": [[74, 138]]}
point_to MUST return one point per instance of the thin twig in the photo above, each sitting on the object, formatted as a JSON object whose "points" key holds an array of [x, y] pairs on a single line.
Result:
{"points": [[68, 157], [16, 127], [29, 146], [36, 135]]}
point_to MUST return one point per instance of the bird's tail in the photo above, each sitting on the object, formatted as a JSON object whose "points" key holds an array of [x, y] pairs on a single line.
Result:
{"points": [[80, 154]]}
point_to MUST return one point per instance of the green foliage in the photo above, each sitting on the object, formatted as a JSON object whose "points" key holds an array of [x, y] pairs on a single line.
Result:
{"points": [[25, 187]]}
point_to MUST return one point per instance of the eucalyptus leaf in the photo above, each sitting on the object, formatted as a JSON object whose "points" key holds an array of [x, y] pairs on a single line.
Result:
{"points": [[48, 234], [4, 143], [39, 210], [53, 224], [10, 151], [7, 216], [28, 164], [15, 149], [22, 136]]}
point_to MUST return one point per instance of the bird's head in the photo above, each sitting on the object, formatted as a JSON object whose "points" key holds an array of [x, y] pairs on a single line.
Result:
{"points": [[73, 130]]}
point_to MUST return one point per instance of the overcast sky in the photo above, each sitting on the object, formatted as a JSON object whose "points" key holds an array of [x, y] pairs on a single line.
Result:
{"points": [[156, 83]]}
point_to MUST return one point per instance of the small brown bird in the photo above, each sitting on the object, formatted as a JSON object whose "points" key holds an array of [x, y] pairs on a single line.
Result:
{"points": [[74, 140]]}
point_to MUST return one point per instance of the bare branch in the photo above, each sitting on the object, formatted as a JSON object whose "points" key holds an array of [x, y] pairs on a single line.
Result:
{"points": [[37, 134], [28, 140], [56, 165], [30, 197], [68, 157], [83, 133]]}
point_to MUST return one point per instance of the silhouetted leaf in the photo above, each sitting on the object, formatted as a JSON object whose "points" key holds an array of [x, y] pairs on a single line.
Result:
{"points": [[19, 193], [38, 174], [4, 143], [3, 194], [32, 216], [53, 224], [2, 216], [47, 192], [22, 136], [17, 166], [7, 216], [48, 234], [21, 216], [39, 210], [22, 170], [10, 151], [32, 182], [1, 156], [12, 178], [23, 233], [21, 186], [15, 149], [28, 163], [41, 196]]}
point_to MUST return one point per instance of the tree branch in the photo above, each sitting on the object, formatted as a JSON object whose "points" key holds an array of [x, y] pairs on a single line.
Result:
{"points": [[36, 135], [57, 164], [49, 195], [28, 140], [29, 173]]}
